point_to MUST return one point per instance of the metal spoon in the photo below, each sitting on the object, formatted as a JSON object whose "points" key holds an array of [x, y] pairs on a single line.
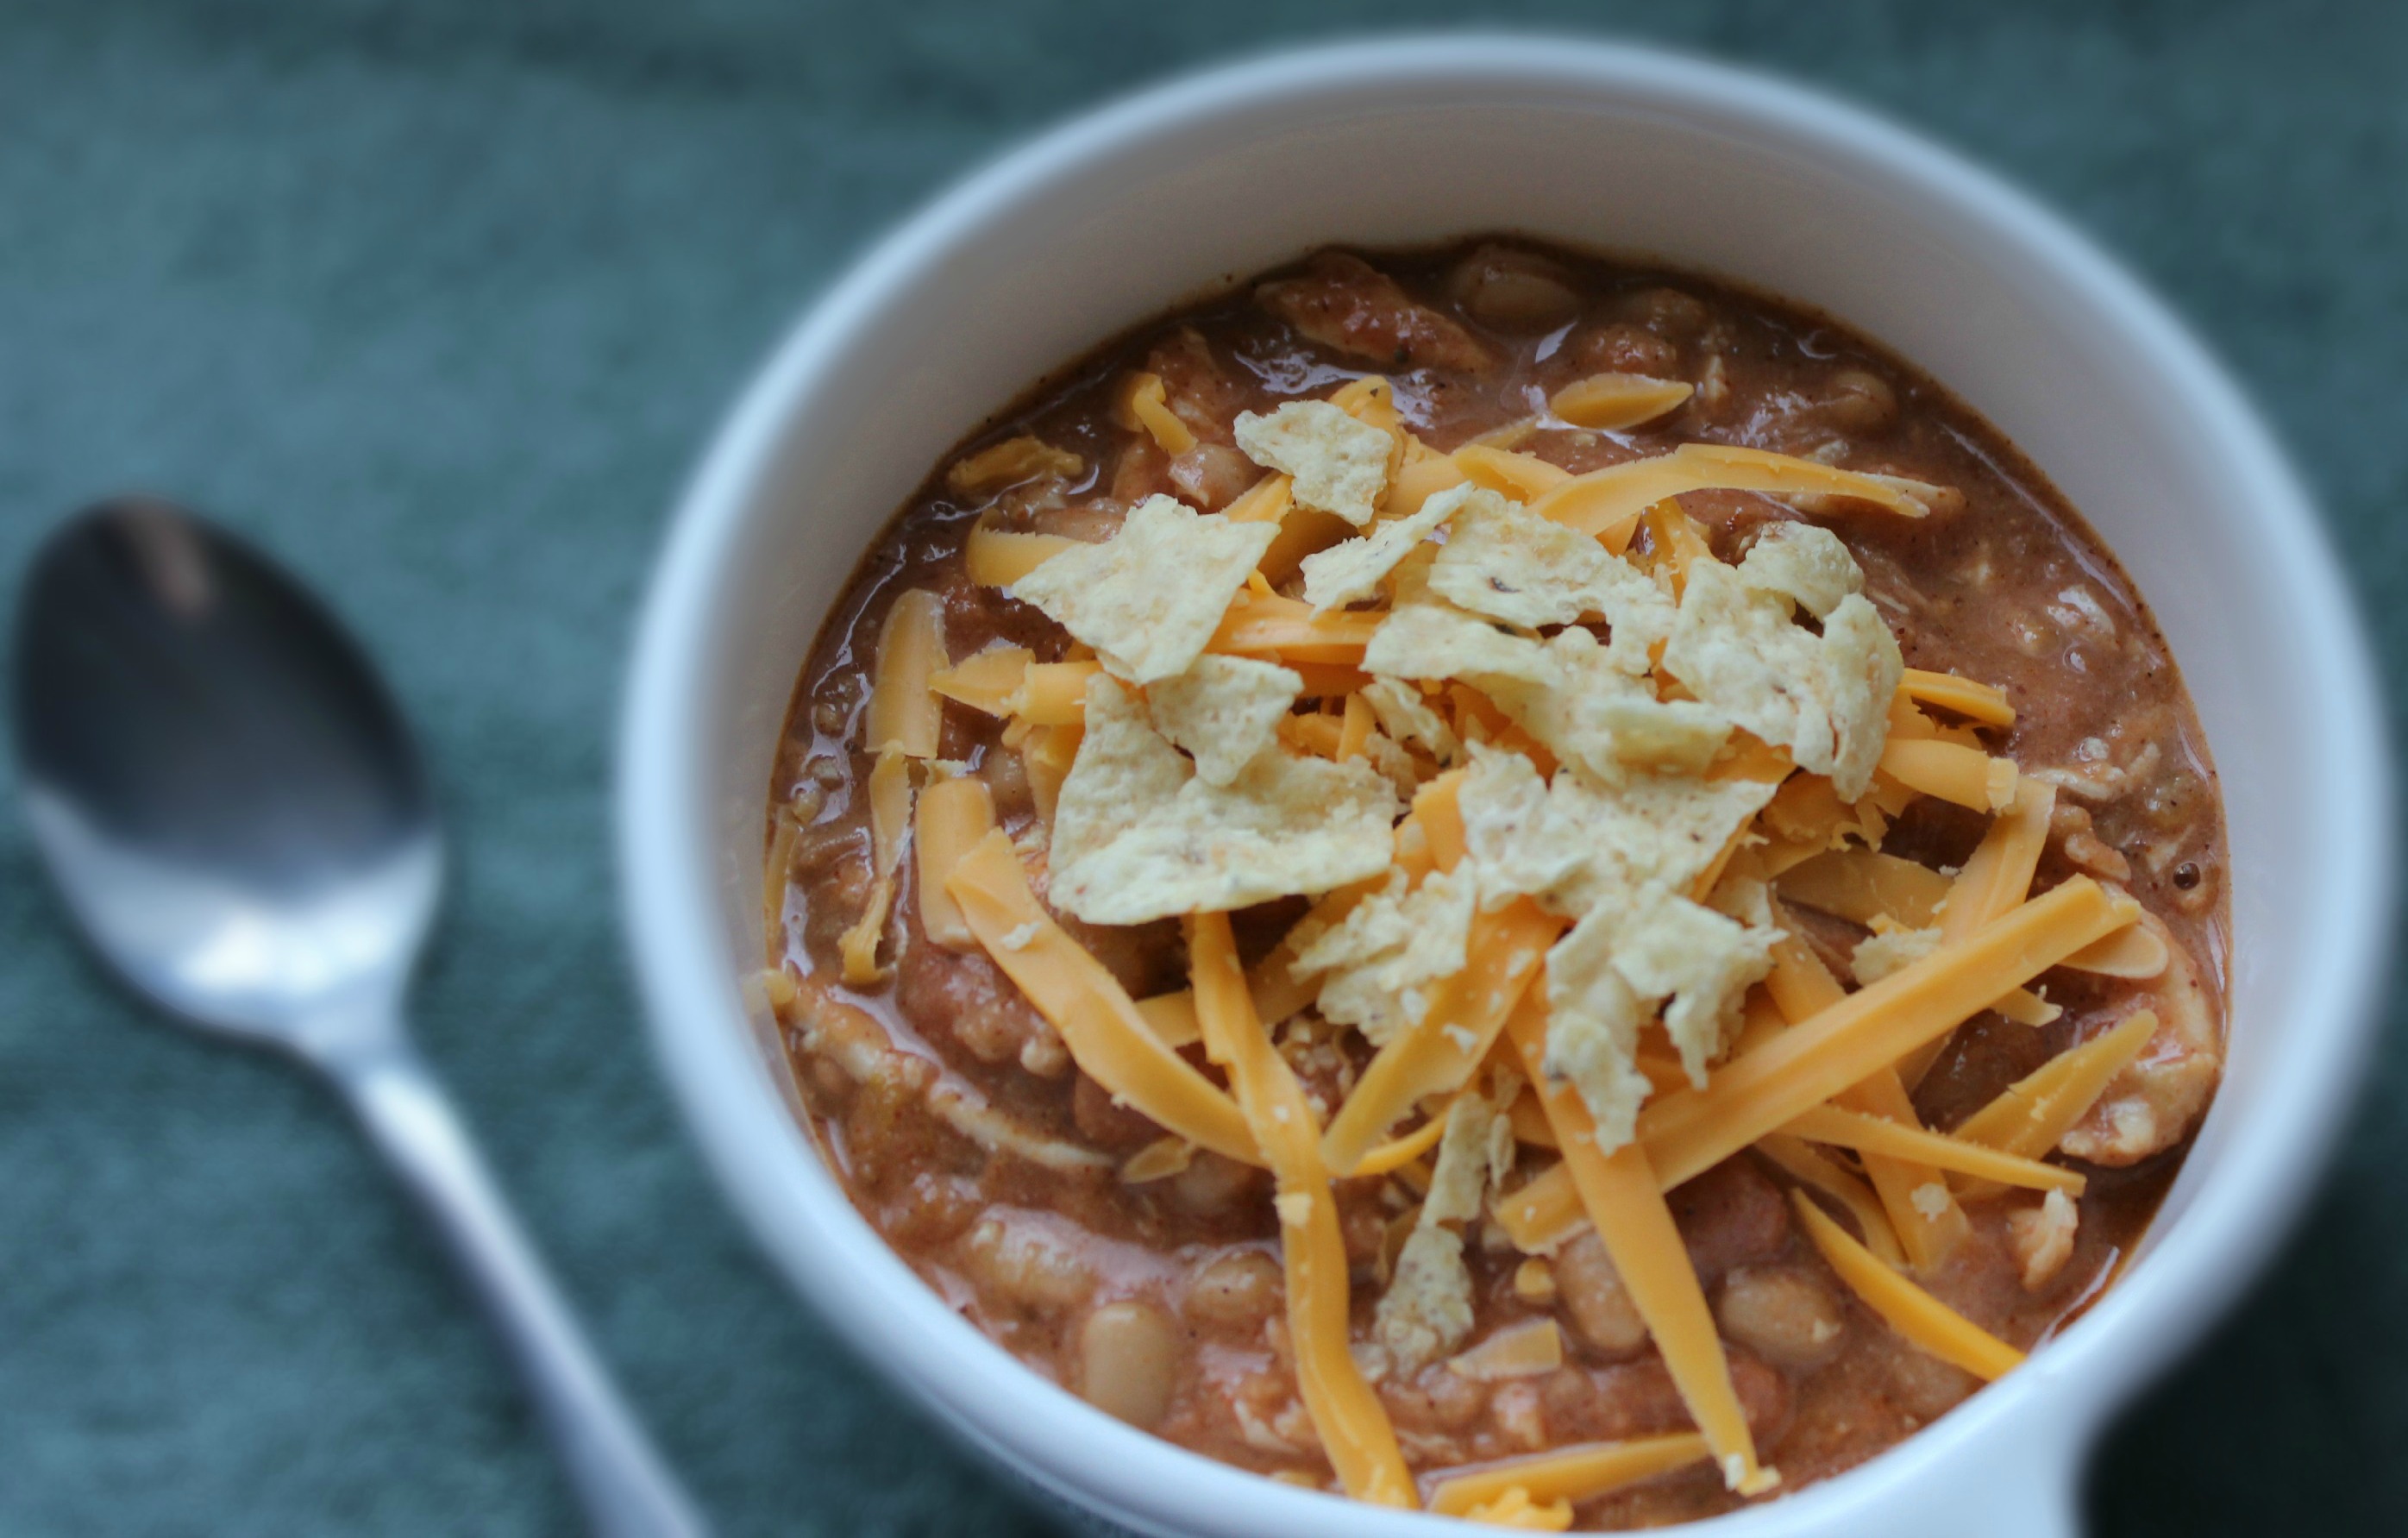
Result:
{"points": [[231, 806]]}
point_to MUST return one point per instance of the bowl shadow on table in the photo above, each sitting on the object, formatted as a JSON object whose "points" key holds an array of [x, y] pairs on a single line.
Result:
{"points": [[2288, 1417]]}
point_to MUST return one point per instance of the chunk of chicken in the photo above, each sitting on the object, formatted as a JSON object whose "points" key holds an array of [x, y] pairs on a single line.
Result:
{"points": [[2149, 1106], [1345, 302]]}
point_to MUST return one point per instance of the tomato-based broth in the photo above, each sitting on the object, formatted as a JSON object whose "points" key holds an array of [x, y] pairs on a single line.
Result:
{"points": [[1496, 880]]}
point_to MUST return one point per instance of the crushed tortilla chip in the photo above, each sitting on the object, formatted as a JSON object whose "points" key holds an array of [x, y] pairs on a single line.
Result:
{"points": [[1592, 713], [1515, 837], [1341, 465], [1891, 947], [1352, 569], [1593, 1021], [1806, 564], [1429, 638], [1703, 961], [1427, 1309], [1284, 825], [1149, 598], [1403, 714], [1823, 697], [1380, 962], [1123, 768], [1224, 710], [1501, 562], [1658, 830]]}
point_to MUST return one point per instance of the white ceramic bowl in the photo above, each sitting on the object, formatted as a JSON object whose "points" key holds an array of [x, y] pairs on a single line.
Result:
{"points": [[1116, 217]]}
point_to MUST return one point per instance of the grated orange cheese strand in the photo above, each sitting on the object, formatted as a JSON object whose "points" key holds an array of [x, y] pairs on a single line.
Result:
{"points": [[1267, 628], [1147, 405], [1171, 1016], [1423, 474], [1860, 885], [1997, 875], [1816, 1170], [1054, 693], [1911, 1311], [1576, 1473], [1046, 755], [953, 815], [2138, 953], [1596, 502], [1994, 878], [1982, 704], [1354, 729], [1691, 1130], [1107, 1037], [1398, 1152], [1266, 501], [1519, 476], [997, 558], [903, 711], [1275, 992], [1623, 1196], [1930, 1228], [985, 682], [1437, 807], [857, 947], [1951, 772], [890, 816], [1544, 1211], [1676, 540], [2030, 1115], [1611, 401], [1438, 1056], [1513, 1509], [1868, 1134], [1352, 1425]]}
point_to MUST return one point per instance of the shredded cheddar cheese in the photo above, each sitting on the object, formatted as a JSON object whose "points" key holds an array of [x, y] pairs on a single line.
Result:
{"points": [[903, 711], [1911, 1311], [1692, 1131], [1353, 1427], [1576, 1473], [1079, 998], [1621, 1194]]}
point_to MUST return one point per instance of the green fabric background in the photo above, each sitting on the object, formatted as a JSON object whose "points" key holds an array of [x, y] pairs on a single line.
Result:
{"points": [[439, 300]]}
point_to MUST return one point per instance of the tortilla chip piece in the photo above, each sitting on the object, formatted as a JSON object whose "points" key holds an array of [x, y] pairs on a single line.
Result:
{"points": [[1703, 961], [1379, 963], [1653, 830], [1224, 710], [1149, 598], [1823, 697], [1594, 1018], [1404, 715], [1806, 564], [1514, 837], [1889, 948], [1124, 767], [1150, 837], [1427, 1309], [1341, 465], [1501, 562], [1861, 667], [1592, 713], [1352, 569], [1434, 640]]}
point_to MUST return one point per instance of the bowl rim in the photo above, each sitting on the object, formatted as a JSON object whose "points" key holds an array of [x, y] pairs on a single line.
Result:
{"points": [[2044, 1415]]}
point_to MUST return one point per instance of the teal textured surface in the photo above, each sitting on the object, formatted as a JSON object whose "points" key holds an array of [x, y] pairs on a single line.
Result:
{"points": [[439, 301]]}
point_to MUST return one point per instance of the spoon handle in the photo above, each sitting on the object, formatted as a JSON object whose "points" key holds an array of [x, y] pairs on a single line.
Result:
{"points": [[626, 1489]]}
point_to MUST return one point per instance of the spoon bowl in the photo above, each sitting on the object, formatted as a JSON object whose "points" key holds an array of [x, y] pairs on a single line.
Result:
{"points": [[219, 782], [230, 805]]}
